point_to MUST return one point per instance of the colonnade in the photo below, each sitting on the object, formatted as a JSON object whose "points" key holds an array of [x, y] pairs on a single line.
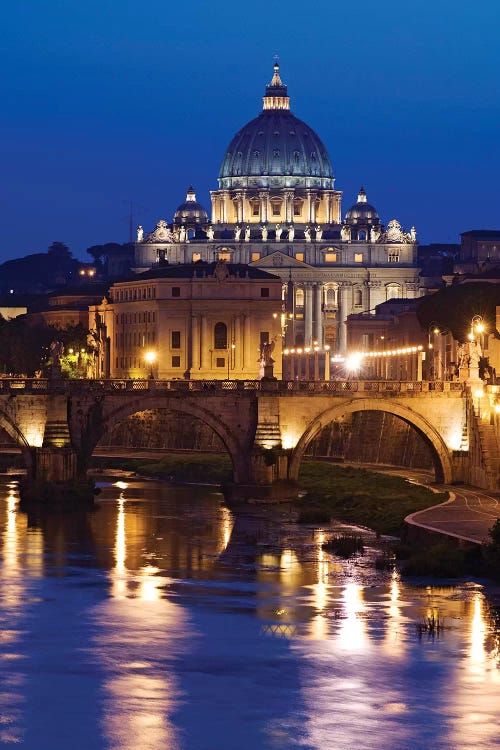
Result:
{"points": [[236, 206]]}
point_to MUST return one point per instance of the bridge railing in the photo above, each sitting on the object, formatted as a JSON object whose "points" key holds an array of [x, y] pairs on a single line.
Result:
{"points": [[124, 385]]}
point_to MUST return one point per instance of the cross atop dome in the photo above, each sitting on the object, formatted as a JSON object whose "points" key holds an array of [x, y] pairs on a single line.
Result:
{"points": [[276, 92]]}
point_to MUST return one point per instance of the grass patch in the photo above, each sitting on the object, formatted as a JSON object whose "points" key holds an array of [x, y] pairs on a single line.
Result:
{"points": [[202, 468], [379, 501]]}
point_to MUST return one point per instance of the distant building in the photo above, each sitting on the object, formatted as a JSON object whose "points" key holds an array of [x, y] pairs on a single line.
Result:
{"points": [[479, 249]]}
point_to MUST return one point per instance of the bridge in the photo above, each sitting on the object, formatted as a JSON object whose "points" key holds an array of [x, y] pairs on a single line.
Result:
{"points": [[265, 425]]}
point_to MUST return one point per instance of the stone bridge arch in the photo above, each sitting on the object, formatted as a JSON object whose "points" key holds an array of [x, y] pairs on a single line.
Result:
{"points": [[439, 450], [237, 442], [20, 440]]}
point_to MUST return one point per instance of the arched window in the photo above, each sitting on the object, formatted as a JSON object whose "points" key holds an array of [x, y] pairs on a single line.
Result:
{"points": [[362, 235], [220, 336], [358, 297], [299, 298], [331, 297], [393, 291]]}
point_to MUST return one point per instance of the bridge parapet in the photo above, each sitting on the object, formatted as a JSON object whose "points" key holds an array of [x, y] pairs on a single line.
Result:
{"points": [[14, 386]]}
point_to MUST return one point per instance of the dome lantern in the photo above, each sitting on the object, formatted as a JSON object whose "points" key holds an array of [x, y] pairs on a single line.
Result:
{"points": [[276, 92]]}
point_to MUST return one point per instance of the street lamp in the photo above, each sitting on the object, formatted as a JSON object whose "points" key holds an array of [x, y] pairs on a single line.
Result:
{"points": [[476, 326], [150, 358]]}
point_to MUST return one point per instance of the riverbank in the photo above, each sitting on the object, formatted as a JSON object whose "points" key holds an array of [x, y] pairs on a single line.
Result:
{"points": [[378, 501]]}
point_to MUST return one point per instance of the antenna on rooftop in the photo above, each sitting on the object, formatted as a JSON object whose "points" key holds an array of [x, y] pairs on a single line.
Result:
{"points": [[134, 210]]}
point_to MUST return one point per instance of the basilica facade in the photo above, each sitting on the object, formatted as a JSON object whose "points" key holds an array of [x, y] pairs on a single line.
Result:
{"points": [[276, 209]]}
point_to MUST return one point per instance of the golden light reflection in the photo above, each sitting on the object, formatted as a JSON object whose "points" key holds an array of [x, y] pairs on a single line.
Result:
{"points": [[226, 528], [394, 643], [150, 585], [12, 596], [477, 652], [352, 633], [119, 576], [320, 591], [138, 640]]}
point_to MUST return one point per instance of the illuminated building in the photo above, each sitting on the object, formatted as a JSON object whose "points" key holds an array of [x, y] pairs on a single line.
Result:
{"points": [[276, 208], [197, 321]]}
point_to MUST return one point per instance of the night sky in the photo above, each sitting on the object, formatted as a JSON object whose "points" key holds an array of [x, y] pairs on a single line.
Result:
{"points": [[107, 101]]}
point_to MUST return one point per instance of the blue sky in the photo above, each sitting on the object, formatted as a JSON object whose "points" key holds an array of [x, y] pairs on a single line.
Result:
{"points": [[109, 101]]}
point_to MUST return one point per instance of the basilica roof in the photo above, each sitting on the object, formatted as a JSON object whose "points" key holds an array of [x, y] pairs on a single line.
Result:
{"points": [[276, 148]]}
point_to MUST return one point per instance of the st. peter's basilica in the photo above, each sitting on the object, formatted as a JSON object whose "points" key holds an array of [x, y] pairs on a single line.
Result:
{"points": [[276, 209]]}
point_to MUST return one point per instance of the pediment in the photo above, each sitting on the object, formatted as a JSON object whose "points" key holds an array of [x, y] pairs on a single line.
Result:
{"points": [[279, 260]]}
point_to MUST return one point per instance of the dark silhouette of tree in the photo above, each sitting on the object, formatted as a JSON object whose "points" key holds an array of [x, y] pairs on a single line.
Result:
{"points": [[454, 307]]}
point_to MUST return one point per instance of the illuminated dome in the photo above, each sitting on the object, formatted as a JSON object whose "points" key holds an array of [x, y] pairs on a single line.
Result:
{"points": [[191, 213], [276, 149], [362, 212]]}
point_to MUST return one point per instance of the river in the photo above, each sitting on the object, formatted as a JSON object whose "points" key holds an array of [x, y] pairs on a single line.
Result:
{"points": [[160, 620]]}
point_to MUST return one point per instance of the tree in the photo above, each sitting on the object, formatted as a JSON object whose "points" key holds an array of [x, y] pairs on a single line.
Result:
{"points": [[454, 307]]}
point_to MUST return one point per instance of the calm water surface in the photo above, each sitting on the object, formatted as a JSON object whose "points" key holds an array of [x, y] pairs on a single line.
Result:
{"points": [[162, 621]]}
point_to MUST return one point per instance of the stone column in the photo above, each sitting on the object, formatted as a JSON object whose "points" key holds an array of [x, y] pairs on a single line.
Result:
{"points": [[312, 206], [195, 343], [246, 344], [239, 207], [205, 344], [263, 195], [328, 209], [238, 352], [308, 311], [289, 206], [318, 327], [344, 289]]}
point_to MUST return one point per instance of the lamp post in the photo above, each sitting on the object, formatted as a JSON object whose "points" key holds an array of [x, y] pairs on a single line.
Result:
{"points": [[150, 358]]}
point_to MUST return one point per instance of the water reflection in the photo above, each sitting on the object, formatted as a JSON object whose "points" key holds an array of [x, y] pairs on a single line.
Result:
{"points": [[140, 693], [12, 591], [181, 627]]}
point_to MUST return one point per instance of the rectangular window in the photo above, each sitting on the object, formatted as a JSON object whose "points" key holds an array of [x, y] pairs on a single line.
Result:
{"points": [[220, 362], [255, 209], [176, 340], [358, 257], [297, 209], [176, 361], [255, 256], [264, 337], [330, 257], [393, 258], [276, 209], [299, 256], [196, 257], [299, 316], [225, 257], [264, 292], [176, 291]]}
